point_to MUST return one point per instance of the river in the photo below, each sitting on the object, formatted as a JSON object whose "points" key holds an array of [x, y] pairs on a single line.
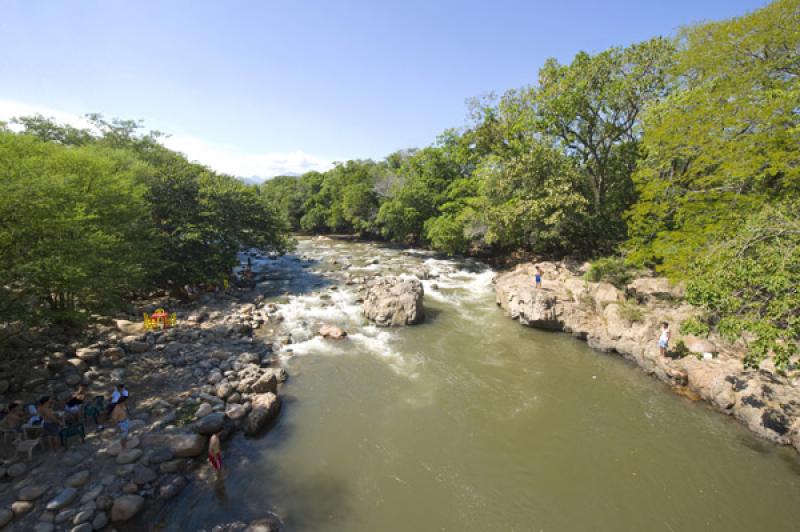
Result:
{"points": [[470, 422]]}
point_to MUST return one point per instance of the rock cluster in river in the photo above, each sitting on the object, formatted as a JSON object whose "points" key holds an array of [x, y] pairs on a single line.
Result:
{"points": [[393, 301], [600, 313], [186, 383]]}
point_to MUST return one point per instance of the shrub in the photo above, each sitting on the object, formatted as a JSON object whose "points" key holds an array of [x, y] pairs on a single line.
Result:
{"points": [[612, 270], [631, 312], [694, 326]]}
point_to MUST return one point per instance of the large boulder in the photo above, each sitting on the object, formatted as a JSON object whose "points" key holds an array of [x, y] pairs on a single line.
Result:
{"points": [[266, 383], [187, 445], [520, 299], [394, 301], [125, 507], [699, 345], [208, 425], [710, 380], [129, 327], [264, 409]]}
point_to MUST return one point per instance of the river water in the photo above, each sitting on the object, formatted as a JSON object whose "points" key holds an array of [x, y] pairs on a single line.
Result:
{"points": [[470, 422]]}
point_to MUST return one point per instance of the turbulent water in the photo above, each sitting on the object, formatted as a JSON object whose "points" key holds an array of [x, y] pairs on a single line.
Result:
{"points": [[471, 422]]}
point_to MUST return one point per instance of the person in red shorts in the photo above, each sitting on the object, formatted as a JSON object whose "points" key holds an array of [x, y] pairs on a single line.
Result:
{"points": [[215, 454]]}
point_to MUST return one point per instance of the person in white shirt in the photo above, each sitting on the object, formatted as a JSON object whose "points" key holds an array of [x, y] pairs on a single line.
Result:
{"points": [[121, 391], [663, 340]]}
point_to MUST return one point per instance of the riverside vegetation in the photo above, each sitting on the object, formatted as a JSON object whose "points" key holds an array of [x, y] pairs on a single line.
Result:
{"points": [[679, 155], [676, 156]]}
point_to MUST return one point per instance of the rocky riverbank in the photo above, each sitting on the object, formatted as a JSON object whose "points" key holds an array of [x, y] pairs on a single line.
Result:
{"points": [[210, 373], [627, 322]]}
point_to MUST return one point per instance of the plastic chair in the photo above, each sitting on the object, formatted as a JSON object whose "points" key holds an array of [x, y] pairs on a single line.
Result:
{"points": [[148, 323], [27, 446], [173, 319]]}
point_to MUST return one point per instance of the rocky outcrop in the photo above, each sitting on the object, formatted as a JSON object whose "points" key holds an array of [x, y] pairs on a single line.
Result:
{"points": [[394, 301], [264, 410], [627, 322]]}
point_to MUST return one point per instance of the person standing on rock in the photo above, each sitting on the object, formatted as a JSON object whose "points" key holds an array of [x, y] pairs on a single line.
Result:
{"points": [[663, 340], [120, 417], [215, 454], [538, 277]]}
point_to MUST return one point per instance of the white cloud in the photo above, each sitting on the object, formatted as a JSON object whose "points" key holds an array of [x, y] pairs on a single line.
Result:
{"points": [[230, 160], [220, 157]]}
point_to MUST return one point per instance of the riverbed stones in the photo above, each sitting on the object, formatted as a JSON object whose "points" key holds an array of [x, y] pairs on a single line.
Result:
{"points": [[63, 499], [264, 409], [31, 493], [128, 456], [171, 486], [100, 521], [235, 411], [16, 470], [143, 474], [209, 424], [20, 508], [224, 389], [187, 445], [76, 480], [203, 410], [394, 301], [125, 507], [267, 382], [6, 516], [132, 344]]}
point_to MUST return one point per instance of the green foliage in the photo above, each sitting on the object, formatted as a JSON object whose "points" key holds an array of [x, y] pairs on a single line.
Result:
{"points": [[695, 327], [631, 312], [681, 350], [749, 283], [592, 108], [73, 223], [88, 218], [612, 270], [725, 142]]}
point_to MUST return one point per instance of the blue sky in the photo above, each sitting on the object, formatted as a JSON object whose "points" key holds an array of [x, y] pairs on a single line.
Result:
{"points": [[266, 87]]}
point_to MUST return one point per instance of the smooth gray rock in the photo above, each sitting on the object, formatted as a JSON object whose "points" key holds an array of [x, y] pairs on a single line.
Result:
{"points": [[63, 499]]}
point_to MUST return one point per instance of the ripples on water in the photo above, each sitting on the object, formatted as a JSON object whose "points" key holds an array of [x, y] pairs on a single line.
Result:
{"points": [[470, 422]]}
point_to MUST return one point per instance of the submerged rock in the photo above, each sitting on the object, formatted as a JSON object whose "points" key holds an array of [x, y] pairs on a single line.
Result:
{"points": [[394, 302], [333, 332]]}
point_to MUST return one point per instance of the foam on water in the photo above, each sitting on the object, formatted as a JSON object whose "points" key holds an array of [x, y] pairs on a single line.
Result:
{"points": [[304, 314]]}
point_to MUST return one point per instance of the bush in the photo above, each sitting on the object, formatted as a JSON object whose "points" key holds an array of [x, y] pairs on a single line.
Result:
{"points": [[695, 327], [631, 312], [681, 350], [612, 270]]}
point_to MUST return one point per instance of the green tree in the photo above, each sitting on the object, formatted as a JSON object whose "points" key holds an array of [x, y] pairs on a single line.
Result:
{"points": [[592, 107], [74, 230], [725, 142]]}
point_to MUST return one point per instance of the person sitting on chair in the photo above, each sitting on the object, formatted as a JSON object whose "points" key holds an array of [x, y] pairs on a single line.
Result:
{"points": [[74, 403], [15, 417], [51, 423]]}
